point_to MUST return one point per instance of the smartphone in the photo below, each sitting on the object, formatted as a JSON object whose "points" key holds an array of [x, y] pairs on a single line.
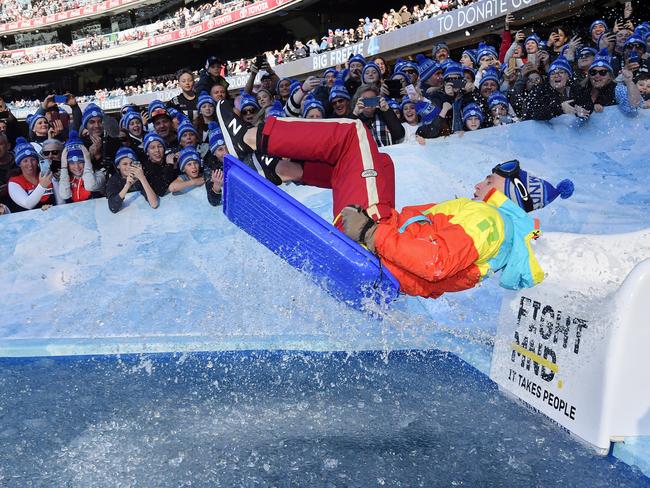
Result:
{"points": [[633, 58], [532, 58], [458, 84], [411, 92], [512, 63], [394, 88], [371, 102], [260, 60], [44, 164], [60, 99]]}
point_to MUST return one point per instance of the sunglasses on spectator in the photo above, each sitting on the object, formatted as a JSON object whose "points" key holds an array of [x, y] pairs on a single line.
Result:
{"points": [[338, 101], [55, 152], [598, 72], [248, 111], [409, 71]]}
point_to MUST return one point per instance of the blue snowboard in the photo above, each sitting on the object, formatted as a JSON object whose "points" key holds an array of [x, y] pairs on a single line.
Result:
{"points": [[303, 239]]}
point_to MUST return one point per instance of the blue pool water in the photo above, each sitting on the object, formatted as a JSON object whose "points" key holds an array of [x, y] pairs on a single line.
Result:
{"points": [[279, 419]]}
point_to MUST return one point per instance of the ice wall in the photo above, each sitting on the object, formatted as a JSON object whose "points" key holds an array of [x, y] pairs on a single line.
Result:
{"points": [[78, 279]]}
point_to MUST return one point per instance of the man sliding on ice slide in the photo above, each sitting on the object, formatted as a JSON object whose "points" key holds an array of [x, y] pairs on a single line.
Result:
{"points": [[431, 249]]}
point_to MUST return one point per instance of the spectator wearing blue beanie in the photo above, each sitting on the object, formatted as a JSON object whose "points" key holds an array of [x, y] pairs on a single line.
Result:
{"points": [[205, 104], [248, 108], [489, 82], [430, 72], [38, 127], [500, 109], [532, 44], [597, 29], [30, 189], [101, 146], [77, 180], [92, 119], [159, 173], [485, 54], [129, 177], [161, 118], [468, 58], [189, 166], [371, 73], [410, 120], [131, 123], [339, 98], [330, 76], [187, 134], [213, 165], [526, 190], [472, 117], [352, 79], [282, 90], [313, 109]]}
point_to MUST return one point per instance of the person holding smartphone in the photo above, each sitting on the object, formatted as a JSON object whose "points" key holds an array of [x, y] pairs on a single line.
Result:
{"points": [[129, 177], [34, 186], [211, 74], [375, 113]]}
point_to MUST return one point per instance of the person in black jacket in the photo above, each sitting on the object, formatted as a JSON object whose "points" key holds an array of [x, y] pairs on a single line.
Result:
{"points": [[186, 100], [376, 114], [556, 96], [158, 172], [102, 147], [599, 87], [128, 177], [211, 75]]}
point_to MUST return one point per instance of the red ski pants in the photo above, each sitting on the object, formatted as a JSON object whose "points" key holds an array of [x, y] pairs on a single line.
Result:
{"points": [[339, 154]]}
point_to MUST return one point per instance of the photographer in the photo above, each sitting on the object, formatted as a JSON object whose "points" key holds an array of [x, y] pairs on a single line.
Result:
{"points": [[10, 121], [377, 116], [293, 106], [100, 145], [158, 171]]}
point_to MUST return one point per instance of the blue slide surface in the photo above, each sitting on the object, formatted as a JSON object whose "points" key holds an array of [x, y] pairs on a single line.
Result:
{"points": [[303, 239]]}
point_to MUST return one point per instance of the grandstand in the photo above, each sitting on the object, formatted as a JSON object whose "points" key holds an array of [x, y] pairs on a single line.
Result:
{"points": [[125, 45]]}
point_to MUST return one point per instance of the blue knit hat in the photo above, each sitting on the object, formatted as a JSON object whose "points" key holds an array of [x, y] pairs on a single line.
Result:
{"points": [[602, 60], [427, 111], [453, 69], [561, 63], [485, 50], [276, 110], [530, 192], [216, 136], [277, 85], [129, 116], [74, 145], [311, 103], [332, 71], [339, 91], [369, 65], [402, 64], [426, 67], [405, 102], [587, 51], [535, 38], [598, 22], [204, 98], [635, 39], [22, 150], [439, 47], [90, 112], [32, 119], [152, 137], [467, 69], [497, 98], [124, 152], [471, 53], [357, 58], [247, 101], [156, 108], [186, 155], [472, 110], [490, 74], [186, 126]]}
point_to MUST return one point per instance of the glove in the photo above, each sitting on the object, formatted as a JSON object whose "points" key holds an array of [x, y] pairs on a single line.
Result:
{"points": [[358, 226]]}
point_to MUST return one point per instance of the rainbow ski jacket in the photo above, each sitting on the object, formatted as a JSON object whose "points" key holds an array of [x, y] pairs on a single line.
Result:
{"points": [[452, 246]]}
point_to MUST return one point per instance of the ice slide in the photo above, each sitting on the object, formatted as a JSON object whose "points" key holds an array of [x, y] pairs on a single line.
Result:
{"points": [[79, 280]]}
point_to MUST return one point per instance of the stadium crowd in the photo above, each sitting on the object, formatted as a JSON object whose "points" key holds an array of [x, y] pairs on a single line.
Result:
{"points": [[15, 10], [176, 146], [186, 17]]}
